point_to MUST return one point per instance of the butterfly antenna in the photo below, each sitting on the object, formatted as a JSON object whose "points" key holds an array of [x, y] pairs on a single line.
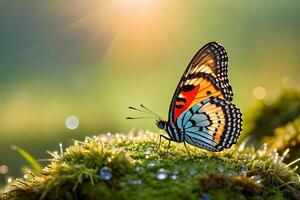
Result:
{"points": [[139, 117], [150, 111], [133, 108]]}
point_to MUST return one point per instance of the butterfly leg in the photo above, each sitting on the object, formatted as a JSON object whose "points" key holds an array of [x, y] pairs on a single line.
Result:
{"points": [[162, 136], [186, 149], [169, 145]]}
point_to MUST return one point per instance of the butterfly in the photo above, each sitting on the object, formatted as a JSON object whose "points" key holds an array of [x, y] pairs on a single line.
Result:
{"points": [[201, 112]]}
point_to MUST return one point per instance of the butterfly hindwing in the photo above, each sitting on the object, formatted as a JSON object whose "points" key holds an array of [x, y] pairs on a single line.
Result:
{"points": [[206, 76], [212, 124]]}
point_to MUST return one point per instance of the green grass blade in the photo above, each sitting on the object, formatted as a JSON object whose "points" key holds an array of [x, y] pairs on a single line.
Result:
{"points": [[35, 165]]}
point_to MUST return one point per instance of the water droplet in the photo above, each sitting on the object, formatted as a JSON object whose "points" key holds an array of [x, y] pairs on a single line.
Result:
{"points": [[138, 169], [192, 171], [147, 151], [231, 174], [105, 173], [151, 164], [205, 197], [243, 170], [256, 178], [72, 122], [221, 169], [173, 176], [161, 174], [135, 182], [152, 145]]}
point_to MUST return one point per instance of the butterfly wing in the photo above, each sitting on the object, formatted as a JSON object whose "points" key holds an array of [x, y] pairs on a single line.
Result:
{"points": [[205, 76], [212, 124]]}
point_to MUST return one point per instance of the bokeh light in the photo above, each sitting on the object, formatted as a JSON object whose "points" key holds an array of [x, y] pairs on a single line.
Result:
{"points": [[287, 82], [3, 169], [10, 180], [259, 93], [72, 122]]}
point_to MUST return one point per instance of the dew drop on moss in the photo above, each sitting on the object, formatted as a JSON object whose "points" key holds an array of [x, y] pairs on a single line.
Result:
{"points": [[221, 169], [192, 171], [151, 164], [174, 177], [256, 178], [205, 197], [147, 151], [105, 173], [135, 182], [138, 169], [161, 174], [243, 170]]}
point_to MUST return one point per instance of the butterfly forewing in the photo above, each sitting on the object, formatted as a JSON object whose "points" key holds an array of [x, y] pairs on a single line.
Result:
{"points": [[206, 76]]}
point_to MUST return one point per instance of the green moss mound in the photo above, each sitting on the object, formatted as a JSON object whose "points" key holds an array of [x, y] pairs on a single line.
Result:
{"points": [[127, 167], [266, 117]]}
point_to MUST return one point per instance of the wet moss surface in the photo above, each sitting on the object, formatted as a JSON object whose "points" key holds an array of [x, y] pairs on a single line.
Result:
{"points": [[128, 167]]}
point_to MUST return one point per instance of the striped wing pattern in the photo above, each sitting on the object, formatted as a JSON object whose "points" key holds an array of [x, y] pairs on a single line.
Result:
{"points": [[213, 124], [212, 60], [201, 111]]}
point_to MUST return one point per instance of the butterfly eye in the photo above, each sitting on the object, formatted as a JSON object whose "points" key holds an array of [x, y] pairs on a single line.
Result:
{"points": [[160, 124]]}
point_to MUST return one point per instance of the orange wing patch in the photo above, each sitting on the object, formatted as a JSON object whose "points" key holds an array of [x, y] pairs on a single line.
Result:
{"points": [[194, 91], [206, 89]]}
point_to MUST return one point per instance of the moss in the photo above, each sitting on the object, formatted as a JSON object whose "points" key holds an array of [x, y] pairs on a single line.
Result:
{"points": [[237, 173], [287, 138], [266, 117]]}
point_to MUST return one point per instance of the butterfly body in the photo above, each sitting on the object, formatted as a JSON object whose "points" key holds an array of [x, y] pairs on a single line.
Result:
{"points": [[201, 112]]}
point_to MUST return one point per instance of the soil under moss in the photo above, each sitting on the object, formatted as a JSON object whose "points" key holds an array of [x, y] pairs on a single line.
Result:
{"points": [[127, 167]]}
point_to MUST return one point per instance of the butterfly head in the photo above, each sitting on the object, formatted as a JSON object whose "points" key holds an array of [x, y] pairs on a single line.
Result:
{"points": [[161, 124]]}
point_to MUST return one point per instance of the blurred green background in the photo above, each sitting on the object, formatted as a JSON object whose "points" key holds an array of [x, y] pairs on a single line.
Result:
{"points": [[94, 58]]}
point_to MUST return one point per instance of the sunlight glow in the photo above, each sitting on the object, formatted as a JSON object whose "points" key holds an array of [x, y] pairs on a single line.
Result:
{"points": [[138, 4]]}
